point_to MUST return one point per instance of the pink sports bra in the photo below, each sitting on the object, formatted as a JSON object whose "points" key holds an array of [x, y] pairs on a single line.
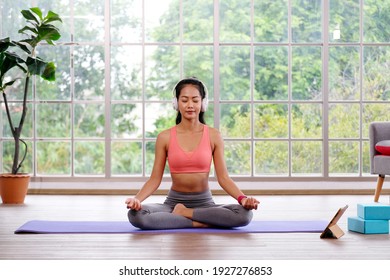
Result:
{"points": [[196, 161]]}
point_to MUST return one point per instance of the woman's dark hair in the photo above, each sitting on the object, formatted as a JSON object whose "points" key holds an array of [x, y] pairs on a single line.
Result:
{"points": [[199, 85]]}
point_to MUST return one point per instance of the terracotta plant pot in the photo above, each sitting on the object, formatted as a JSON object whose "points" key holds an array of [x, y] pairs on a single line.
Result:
{"points": [[13, 188]]}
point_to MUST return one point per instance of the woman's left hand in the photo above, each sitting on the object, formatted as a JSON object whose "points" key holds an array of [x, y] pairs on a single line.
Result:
{"points": [[250, 203]]}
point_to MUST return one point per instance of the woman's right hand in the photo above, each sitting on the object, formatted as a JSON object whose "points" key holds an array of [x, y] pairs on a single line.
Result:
{"points": [[133, 204]]}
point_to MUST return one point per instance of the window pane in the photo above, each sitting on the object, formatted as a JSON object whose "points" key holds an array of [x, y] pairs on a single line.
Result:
{"points": [[271, 20], [89, 120], [89, 72], [344, 73], [344, 21], [271, 121], [60, 89], [271, 158], [12, 19], [306, 73], [16, 91], [234, 17], [8, 155], [89, 158], [235, 120], [306, 21], [149, 161], [88, 20], [126, 158], [271, 73], [376, 21], [162, 20], [234, 70], [209, 115], [307, 121], [126, 73], [376, 85], [158, 117], [53, 120], [344, 120], [198, 62], [374, 112], [238, 157], [343, 158], [198, 21], [162, 71], [366, 158], [149, 158], [62, 8], [126, 121], [16, 114], [65, 26], [126, 21], [53, 158], [307, 158]]}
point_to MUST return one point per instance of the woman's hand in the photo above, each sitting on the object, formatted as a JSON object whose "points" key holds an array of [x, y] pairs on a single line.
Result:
{"points": [[133, 204], [250, 203]]}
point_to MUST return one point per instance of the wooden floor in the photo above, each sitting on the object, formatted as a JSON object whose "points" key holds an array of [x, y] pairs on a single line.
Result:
{"points": [[269, 246]]}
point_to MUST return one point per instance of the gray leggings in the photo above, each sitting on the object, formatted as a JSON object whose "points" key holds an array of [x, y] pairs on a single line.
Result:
{"points": [[159, 216]]}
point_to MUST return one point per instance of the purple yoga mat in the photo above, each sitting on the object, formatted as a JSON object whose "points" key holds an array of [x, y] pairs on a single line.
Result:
{"points": [[39, 226]]}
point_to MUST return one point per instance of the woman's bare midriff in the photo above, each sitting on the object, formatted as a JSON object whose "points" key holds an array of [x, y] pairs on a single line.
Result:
{"points": [[190, 182]]}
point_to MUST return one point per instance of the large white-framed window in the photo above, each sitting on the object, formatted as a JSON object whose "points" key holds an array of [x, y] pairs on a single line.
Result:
{"points": [[293, 84]]}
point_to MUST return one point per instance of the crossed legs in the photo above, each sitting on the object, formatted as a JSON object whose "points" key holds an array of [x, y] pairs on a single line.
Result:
{"points": [[162, 216]]}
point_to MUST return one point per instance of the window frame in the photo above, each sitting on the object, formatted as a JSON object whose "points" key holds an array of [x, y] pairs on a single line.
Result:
{"points": [[215, 100]]}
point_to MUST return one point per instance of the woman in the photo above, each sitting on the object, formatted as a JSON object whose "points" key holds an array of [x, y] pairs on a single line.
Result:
{"points": [[190, 146]]}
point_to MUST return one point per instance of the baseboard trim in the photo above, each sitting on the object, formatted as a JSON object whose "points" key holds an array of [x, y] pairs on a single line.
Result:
{"points": [[215, 192]]}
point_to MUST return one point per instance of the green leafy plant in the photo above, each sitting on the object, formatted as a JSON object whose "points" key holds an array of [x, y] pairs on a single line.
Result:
{"points": [[20, 57]]}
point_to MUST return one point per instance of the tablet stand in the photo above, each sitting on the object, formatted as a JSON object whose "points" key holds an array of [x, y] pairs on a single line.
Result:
{"points": [[333, 230]]}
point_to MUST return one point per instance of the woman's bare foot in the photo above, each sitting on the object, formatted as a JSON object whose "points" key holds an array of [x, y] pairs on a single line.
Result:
{"points": [[199, 225], [181, 210]]}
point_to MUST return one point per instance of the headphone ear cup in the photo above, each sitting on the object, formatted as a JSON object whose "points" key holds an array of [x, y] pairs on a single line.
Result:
{"points": [[174, 104], [205, 104]]}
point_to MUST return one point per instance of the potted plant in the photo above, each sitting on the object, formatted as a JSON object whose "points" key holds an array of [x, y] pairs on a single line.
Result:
{"points": [[18, 61]]}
